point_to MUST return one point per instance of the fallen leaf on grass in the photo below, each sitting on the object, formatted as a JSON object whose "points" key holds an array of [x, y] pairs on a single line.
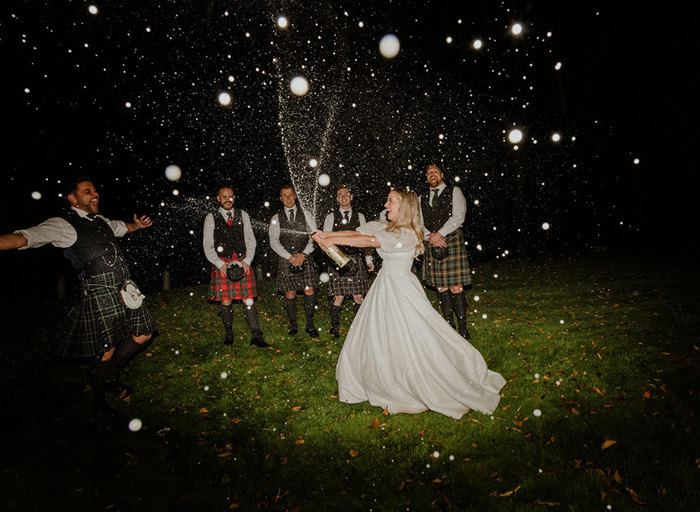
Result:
{"points": [[234, 420], [299, 441], [607, 444], [224, 454], [296, 408], [375, 423], [573, 409], [617, 477], [634, 496], [548, 503], [354, 453]]}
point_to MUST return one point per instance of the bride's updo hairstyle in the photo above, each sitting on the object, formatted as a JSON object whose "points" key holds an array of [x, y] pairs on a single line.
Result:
{"points": [[409, 216]]}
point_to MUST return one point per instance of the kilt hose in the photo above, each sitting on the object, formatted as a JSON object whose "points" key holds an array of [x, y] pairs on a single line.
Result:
{"points": [[288, 281], [100, 321], [357, 284], [221, 288], [451, 271]]}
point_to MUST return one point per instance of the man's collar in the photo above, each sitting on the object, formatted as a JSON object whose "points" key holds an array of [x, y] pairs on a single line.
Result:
{"points": [[79, 211]]}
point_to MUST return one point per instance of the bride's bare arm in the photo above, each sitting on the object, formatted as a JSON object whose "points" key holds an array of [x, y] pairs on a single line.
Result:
{"points": [[352, 238]]}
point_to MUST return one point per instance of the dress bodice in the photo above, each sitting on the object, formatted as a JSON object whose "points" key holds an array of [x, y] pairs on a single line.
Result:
{"points": [[397, 248]]}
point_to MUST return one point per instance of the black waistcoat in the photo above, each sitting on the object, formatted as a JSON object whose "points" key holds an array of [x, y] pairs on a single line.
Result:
{"points": [[434, 217], [352, 225], [293, 242], [96, 250], [230, 238]]}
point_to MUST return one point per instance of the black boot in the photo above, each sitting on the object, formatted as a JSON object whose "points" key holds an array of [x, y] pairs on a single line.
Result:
{"points": [[122, 355], [290, 306], [460, 304], [310, 309], [226, 313], [335, 320], [445, 300], [251, 317]]}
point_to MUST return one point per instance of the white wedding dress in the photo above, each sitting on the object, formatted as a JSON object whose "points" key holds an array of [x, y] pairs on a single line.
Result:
{"points": [[401, 354]]}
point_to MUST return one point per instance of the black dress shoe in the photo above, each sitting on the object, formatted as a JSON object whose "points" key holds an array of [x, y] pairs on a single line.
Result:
{"points": [[257, 341], [293, 330], [228, 340], [464, 332], [312, 331], [117, 387], [334, 331]]}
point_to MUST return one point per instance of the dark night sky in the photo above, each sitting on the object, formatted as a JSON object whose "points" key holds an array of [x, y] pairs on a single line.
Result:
{"points": [[125, 92]]}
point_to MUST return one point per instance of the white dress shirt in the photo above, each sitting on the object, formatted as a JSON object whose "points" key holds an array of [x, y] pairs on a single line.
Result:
{"points": [[459, 211], [208, 238], [330, 220], [60, 233]]}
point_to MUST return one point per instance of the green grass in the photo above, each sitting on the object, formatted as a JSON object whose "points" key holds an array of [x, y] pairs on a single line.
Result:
{"points": [[613, 340]]}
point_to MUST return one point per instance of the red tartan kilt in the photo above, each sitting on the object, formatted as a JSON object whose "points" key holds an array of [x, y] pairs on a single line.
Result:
{"points": [[222, 289]]}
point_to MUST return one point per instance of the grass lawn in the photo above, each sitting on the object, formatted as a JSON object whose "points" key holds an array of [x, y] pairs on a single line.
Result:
{"points": [[604, 346]]}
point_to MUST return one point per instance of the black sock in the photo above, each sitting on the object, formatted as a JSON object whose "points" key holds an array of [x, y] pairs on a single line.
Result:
{"points": [[226, 313], [310, 308], [290, 306], [251, 317], [335, 315], [122, 354], [445, 299], [356, 306]]}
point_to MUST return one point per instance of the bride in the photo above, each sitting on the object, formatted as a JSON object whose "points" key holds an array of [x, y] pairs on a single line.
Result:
{"points": [[400, 353]]}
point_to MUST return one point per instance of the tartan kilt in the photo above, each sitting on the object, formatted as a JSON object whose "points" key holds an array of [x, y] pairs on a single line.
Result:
{"points": [[287, 281], [221, 288], [99, 321], [451, 271], [357, 284]]}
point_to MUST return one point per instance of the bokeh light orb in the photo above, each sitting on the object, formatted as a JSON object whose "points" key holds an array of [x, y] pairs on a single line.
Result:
{"points": [[556, 137], [225, 98], [324, 277], [324, 180], [389, 46], [135, 425], [249, 302], [173, 172], [545, 226], [282, 22], [298, 85], [516, 29], [36, 195], [92, 9], [537, 413], [515, 136], [477, 44]]}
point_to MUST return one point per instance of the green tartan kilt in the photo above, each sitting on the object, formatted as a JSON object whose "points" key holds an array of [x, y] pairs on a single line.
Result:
{"points": [[99, 321], [452, 270]]}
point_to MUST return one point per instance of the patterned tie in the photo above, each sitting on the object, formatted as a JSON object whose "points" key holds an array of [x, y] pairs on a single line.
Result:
{"points": [[346, 217], [291, 216], [229, 221], [434, 196], [91, 216]]}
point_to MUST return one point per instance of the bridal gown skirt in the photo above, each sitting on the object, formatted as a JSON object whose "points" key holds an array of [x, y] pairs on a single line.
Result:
{"points": [[401, 354]]}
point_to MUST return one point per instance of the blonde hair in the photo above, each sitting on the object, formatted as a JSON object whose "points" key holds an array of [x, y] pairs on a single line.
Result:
{"points": [[409, 216]]}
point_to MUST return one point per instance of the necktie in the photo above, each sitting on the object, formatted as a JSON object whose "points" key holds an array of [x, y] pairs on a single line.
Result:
{"points": [[91, 216], [346, 217], [291, 216], [229, 221], [434, 196]]}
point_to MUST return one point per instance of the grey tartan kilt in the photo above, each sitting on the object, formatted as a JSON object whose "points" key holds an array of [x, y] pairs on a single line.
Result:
{"points": [[99, 321], [288, 281], [349, 285], [451, 271]]}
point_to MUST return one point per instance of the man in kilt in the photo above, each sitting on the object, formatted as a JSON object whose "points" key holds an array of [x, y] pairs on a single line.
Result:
{"points": [[341, 219], [445, 263], [290, 237], [100, 327], [227, 237]]}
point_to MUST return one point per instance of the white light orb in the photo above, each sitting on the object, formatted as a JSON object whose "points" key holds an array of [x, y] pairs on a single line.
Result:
{"points": [[220, 249], [224, 375], [92, 9], [206, 388], [249, 302], [556, 137], [476, 298], [545, 226], [176, 192], [515, 136], [537, 413], [266, 204], [282, 22], [36, 195], [389, 46], [225, 98], [135, 425], [448, 39], [298, 85], [516, 29], [173, 172], [636, 161], [324, 277], [477, 44], [557, 66], [324, 180], [313, 162]]}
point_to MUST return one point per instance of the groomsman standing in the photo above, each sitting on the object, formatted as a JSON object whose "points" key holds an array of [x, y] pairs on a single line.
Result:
{"points": [[346, 218], [445, 263], [290, 237], [228, 237]]}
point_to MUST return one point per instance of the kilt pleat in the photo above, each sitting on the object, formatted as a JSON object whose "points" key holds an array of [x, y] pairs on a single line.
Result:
{"points": [[451, 271], [99, 321], [222, 289], [357, 284]]}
